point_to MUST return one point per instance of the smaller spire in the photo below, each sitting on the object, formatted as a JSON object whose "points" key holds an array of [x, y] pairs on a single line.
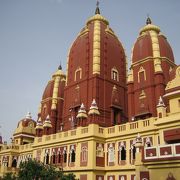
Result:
{"points": [[161, 102], [148, 21], [47, 122], [47, 118], [93, 109], [97, 8], [82, 112]]}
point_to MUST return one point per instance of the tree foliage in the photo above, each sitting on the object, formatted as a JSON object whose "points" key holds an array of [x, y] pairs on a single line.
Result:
{"points": [[33, 170], [9, 176]]}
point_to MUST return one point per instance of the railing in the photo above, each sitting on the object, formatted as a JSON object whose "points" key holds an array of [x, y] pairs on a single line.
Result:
{"points": [[122, 128], [84, 130], [146, 123], [54, 136], [162, 152], [101, 130], [134, 125], [26, 146], [48, 138], [73, 132], [92, 129], [40, 139], [10, 147], [66, 134], [111, 130]]}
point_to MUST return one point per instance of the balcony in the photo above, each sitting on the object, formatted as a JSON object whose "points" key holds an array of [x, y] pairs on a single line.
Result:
{"points": [[163, 152]]}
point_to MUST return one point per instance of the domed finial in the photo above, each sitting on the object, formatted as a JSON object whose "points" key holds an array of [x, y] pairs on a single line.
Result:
{"points": [[97, 8], [148, 21]]}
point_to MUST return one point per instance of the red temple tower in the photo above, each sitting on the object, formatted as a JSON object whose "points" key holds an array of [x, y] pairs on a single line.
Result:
{"points": [[152, 61], [96, 77], [51, 108]]}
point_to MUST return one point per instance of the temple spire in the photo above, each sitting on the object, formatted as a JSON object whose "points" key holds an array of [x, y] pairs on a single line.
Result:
{"points": [[148, 21], [60, 67], [97, 8]]}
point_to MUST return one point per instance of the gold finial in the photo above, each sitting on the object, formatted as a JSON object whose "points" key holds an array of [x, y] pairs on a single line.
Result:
{"points": [[97, 8]]}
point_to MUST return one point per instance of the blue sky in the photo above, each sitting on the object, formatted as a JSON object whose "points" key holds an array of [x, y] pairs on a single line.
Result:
{"points": [[35, 35]]}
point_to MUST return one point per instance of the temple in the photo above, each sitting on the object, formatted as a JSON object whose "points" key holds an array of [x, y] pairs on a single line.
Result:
{"points": [[99, 120]]}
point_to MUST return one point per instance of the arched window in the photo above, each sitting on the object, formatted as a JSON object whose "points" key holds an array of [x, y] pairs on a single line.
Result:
{"points": [[53, 157], [123, 153], [59, 156], [134, 152], [78, 74], [99, 150], [114, 74], [111, 155], [47, 159], [14, 162], [72, 154], [148, 142], [64, 155], [122, 178], [84, 154], [141, 75]]}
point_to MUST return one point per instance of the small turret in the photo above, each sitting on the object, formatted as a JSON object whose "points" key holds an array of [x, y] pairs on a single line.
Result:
{"points": [[47, 125], [82, 115], [39, 127], [161, 108], [25, 131], [94, 109]]}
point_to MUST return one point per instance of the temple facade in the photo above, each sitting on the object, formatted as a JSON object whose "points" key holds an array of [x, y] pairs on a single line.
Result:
{"points": [[99, 120]]}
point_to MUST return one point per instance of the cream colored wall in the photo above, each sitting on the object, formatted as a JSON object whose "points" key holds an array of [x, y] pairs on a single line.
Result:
{"points": [[162, 172], [175, 105]]}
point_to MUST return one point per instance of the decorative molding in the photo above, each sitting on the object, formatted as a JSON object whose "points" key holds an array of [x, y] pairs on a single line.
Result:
{"points": [[96, 47]]}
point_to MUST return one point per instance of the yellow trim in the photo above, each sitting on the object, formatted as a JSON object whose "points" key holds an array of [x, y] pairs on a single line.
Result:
{"points": [[111, 32], [130, 76], [156, 51], [97, 17], [150, 27], [83, 32], [175, 82], [96, 47], [50, 98], [150, 58], [55, 92]]}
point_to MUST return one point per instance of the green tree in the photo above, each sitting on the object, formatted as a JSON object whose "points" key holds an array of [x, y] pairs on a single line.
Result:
{"points": [[33, 170], [9, 176]]}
